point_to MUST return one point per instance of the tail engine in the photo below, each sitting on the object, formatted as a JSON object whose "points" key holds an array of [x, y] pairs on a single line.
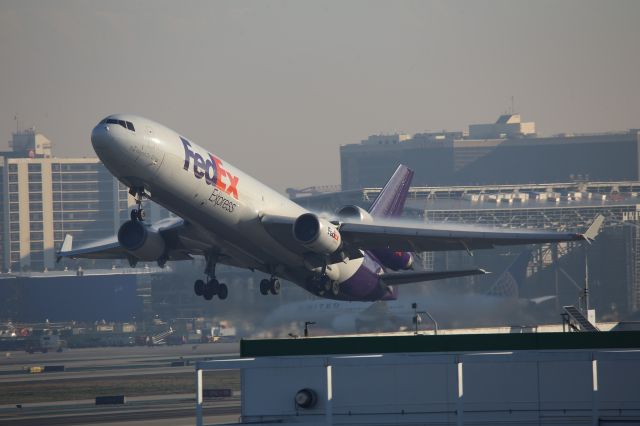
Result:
{"points": [[354, 212]]}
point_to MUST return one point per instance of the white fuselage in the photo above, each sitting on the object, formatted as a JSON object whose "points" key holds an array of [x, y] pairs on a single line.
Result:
{"points": [[206, 191]]}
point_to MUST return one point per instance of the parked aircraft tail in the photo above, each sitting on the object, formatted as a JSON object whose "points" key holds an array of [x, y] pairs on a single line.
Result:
{"points": [[509, 282]]}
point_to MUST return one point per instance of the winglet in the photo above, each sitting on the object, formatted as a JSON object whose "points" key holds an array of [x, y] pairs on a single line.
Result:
{"points": [[594, 229], [67, 244]]}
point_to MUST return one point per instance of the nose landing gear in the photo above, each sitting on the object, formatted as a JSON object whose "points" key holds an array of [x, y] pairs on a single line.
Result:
{"points": [[211, 287], [138, 214]]}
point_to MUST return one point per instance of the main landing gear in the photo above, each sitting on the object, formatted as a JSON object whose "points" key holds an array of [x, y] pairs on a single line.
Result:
{"points": [[271, 285], [138, 214], [212, 286]]}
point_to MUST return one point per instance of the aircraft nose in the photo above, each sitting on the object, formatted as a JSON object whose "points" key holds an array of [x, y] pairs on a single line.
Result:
{"points": [[109, 144], [100, 138]]}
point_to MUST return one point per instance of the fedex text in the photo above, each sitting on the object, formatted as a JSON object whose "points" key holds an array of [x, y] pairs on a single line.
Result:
{"points": [[211, 169]]}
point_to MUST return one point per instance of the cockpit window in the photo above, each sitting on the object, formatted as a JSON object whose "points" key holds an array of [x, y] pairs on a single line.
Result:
{"points": [[126, 124]]}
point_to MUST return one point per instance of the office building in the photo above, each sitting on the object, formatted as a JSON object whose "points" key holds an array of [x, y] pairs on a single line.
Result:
{"points": [[43, 198], [505, 152]]}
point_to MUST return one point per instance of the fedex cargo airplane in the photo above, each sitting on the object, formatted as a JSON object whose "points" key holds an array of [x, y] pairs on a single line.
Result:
{"points": [[231, 218]]}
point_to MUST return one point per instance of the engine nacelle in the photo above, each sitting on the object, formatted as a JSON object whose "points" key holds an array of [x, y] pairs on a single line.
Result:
{"points": [[395, 260], [354, 212], [316, 234], [142, 241]]}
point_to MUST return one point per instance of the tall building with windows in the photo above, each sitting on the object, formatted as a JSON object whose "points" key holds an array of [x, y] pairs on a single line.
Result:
{"points": [[44, 198]]}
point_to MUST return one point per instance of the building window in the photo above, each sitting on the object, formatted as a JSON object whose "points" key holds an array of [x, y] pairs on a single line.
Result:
{"points": [[34, 167], [13, 187], [13, 177], [35, 177], [14, 217], [37, 257], [36, 246], [35, 217], [14, 227], [14, 236], [36, 236], [15, 257], [15, 246], [35, 206], [13, 197], [55, 167], [36, 226], [14, 207], [35, 187], [35, 196]]}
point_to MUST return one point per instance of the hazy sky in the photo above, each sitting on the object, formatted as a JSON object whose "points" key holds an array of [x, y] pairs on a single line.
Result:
{"points": [[275, 87]]}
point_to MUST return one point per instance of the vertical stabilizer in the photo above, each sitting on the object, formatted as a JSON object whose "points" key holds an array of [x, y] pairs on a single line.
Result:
{"points": [[390, 201], [509, 282]]}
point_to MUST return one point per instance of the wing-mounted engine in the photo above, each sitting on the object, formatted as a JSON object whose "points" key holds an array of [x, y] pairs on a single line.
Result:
{"points": [[143, 241], [395, 260], [354, 213], [317, 234]]}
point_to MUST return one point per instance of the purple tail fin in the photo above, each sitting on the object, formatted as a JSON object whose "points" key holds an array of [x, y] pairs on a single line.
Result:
{"points": [[390, 201]]}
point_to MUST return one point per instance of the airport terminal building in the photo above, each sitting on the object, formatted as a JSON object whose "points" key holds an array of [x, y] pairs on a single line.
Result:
{"points": [[505, 152]]}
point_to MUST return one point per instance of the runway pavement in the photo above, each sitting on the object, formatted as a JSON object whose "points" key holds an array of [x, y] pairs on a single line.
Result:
{"points": [[95, 363], [122, 361]]}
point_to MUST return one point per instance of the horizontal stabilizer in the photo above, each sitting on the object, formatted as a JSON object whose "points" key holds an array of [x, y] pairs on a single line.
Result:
{"points": [[397, 278]]}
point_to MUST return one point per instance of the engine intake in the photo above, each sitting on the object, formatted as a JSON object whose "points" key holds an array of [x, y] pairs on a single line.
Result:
{"points": [[316, 234], [142, 241]]}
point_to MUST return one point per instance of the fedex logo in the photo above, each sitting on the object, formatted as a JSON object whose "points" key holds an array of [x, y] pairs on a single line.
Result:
{"points": [[211, 169]]}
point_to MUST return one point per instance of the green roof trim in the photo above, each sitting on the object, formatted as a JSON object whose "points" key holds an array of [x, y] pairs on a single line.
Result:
{"points": [[443, 343]]}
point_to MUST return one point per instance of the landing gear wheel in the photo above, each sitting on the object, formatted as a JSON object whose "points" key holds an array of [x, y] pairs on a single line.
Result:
{"points": [[275, 286], [210, 289], [335, 288], [198, 287], [223, 291], [265, 286]]}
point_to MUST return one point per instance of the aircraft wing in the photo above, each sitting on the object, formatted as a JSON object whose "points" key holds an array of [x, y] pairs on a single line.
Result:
{"points": [[107, 248], [397, 278], [174, 230], [441, 237]]}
